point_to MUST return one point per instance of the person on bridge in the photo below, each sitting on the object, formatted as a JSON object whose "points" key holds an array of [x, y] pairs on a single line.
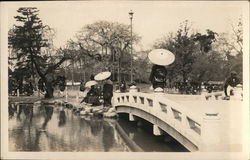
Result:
{"points": [[231, 82], [160, 58], [158, 76]]}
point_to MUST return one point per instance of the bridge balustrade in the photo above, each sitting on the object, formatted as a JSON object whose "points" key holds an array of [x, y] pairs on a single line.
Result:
{"points": [[179, 122]]}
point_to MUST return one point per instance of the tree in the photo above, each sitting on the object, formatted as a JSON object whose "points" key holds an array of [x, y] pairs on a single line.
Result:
{"points": [[205, 40], [109, 41], [184, 48], [28, 40], [207, 64], [196, 60], [208, 67], [142, 67], [230, 45]]}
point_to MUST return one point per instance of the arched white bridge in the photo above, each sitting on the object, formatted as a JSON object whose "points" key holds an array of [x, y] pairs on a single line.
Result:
{"points": [[197, 124]]}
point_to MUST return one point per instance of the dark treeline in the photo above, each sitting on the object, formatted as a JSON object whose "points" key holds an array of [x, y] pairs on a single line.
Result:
{"points": [[103, 45]]}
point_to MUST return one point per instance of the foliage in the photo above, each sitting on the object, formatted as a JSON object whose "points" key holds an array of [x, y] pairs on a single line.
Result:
{"points": [[107, 43], [142, 68], [231, 46], [205, 40], [184, 48], [208, 67], [28, 41], [196, 58]]}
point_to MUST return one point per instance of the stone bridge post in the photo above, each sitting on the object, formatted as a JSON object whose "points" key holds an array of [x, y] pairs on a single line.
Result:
{"points": [[210, 132], [158, 94], [132, 89]]}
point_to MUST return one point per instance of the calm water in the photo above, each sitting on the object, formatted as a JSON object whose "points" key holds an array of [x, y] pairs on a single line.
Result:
{"points": [[54, 128]]}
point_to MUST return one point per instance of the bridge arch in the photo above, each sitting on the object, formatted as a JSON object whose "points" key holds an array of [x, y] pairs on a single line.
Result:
{"points": [[175, 119], [157, 122]]}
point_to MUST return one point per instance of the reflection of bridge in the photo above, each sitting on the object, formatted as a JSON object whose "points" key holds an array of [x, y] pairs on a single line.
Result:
{"points": [[199, 125]]}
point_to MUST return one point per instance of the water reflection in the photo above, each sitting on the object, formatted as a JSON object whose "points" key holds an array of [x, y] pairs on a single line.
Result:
{"points": [[95, 127], [62, 118], [55, 128], [48, 115], [143, 137], [108, 136], [11, 110]]}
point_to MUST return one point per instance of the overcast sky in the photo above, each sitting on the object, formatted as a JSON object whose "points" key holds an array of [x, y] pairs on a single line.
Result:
{"points": [[151, 21]]}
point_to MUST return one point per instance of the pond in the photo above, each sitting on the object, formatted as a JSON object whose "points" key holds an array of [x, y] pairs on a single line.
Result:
{"points": [[56, 128]]}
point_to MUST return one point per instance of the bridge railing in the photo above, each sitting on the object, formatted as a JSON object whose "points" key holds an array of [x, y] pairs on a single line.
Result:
{"points": [[200, 130], [175, 115]]}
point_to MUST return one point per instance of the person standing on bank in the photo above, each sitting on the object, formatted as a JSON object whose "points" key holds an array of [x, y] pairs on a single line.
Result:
{"points": [[107, 87], [92, 77], [231, 82], [107, 92], [160, 58]]}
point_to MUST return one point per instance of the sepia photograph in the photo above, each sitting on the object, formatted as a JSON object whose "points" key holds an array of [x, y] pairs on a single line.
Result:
{"points": [[125, 80]]}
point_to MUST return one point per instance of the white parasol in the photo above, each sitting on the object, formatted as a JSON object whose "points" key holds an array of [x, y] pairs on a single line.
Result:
{"points": [[102, 76], [90, 83], [161, 57]]}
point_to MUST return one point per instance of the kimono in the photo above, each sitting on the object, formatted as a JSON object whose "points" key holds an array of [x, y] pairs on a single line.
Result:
{"points": [[92, 97], [158, 76], [107, 93]]}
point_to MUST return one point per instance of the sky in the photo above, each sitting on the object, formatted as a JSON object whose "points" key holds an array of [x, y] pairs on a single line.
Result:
{"points": [[152, 19]]}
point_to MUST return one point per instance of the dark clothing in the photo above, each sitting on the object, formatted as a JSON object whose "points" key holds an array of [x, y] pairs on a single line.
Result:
{"points": [[123, 86], [232, 81], [158, 76], [82, 86], [107, 94], [209, 88], [92, 77], [92, 97]]}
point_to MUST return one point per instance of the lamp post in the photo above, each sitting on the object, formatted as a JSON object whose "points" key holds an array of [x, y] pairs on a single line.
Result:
{"points": [[131, 49]]}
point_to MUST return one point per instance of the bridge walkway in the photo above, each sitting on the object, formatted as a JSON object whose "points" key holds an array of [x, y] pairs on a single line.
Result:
{"points": [[230, 115], [229, 130]]}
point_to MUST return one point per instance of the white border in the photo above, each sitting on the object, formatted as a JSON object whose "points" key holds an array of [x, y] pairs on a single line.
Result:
{"points": [[113, 155]]}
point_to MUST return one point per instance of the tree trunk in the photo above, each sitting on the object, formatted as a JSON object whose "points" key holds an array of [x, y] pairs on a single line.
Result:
{"points": [[33, 77], [72, 74], [49, 90], [184, 78], [44, 76], [170, 83], [119, 65]]}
